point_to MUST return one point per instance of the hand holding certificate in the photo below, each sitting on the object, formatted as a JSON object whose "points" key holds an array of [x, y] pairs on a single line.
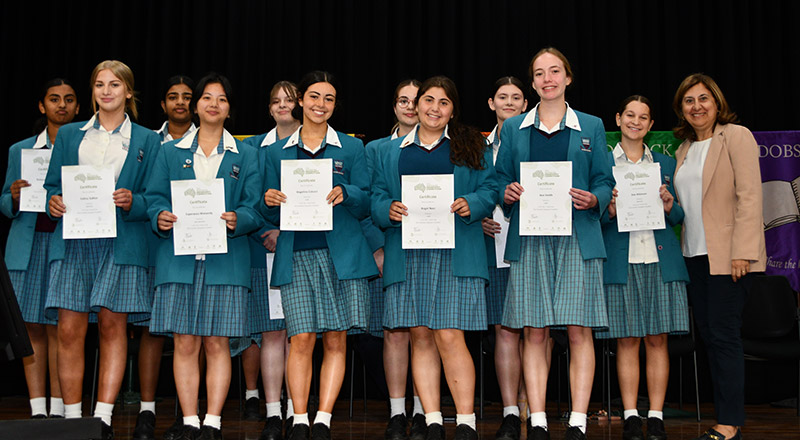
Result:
{"points": [[88, 196], [198, 205], [639, 205], [430, 223], [33, 169], [545, 206], [306, 185]]}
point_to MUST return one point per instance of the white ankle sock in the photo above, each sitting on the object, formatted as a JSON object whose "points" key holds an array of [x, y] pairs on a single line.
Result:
{"points": [[289, 408], [656, 414], [104, 411], [301, 419], [466, 419], [248, 394], [629, 413], [538, 419], [213, 421], [39, 406], [192, 421], [510, 410], [147, 406], [56, 406], [578, 419], [397, 406], [434, 417], [323, 417], [73, 410], [273, 409], [417, 406]]}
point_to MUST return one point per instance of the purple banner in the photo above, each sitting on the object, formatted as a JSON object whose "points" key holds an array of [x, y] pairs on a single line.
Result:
{"points": [[779, 153]]}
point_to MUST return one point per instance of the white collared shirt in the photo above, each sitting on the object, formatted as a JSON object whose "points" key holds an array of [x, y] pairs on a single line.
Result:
{"points": [[166, 137], [641, 244], [411, 138], [270, 138], [495, 145], [689, 185], [42, 141], [395, 134], [101, 148], [532, 118], [331, 138]]}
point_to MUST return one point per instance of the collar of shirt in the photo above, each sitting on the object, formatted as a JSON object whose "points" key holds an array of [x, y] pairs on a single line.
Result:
{"points": [[331, 138], [413, 138], [270, 138], [124, 129], [164, 132], [42, 141], [570, 120], [619, 155], [494, 139], [226, 143], [395, 134]]}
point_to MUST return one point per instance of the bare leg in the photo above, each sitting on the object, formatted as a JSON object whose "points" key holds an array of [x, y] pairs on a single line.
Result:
{"points": [[628, 370], [657, 369], [150, 349], [535, 366], [113, 353], [459, 368], [186, 368], [395, 361], [426, 368], [218, 373], [581, 370], [331, 375], [251, 363], [71, 338], [52, 360], [508, 363], [299, 369], [272, 363], [35, 365]]}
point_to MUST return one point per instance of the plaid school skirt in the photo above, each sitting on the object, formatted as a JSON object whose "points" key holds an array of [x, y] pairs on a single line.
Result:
{"points": [[496, 294], [30, 286], [553, 286], [377, 300], [646, 305], [200, 309], [431, 296], [258, 304], [87, 279], [317, 301]]}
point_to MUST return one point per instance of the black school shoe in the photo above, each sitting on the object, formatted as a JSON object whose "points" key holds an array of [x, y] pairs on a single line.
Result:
{"points": [[210, 433], [655, 429], [187, 432], [509, 429], [632, 428], [300, 431], [419, 428], [574, 433], [106, 433], [713, 434], [396, 430], [175, 431], [435, 432], [537, 433], [272, 429], [465, 432], [252, 409], [320, 431], [287, 427], [145, 428]]}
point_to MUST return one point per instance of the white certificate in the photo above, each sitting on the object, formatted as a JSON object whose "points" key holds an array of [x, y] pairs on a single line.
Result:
{"points": [[545, 207], [33, 168], [87, 193], [275, 302], [639, 205], [500, 238], [306, 184], [198, 204], [429, 223]]}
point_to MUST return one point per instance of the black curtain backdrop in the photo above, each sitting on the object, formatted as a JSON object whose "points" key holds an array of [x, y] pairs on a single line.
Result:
{"points": [[616, 48]]}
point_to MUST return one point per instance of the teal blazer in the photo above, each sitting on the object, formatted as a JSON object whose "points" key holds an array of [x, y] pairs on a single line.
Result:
{"points": [[130, 246], [670, 258], [351, 255], [590, 172], [373, 233], [23, 224], [242, 195], [478, 187], [258, 253]]}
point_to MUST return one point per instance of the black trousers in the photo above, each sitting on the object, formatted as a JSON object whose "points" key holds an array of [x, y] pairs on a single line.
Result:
{"points": [[718, 303]]}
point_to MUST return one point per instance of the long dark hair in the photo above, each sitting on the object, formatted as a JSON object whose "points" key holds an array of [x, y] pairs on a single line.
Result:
{"points": [[309, 79], [174, 81], [41, 122], [213, 78], [467, 144]]}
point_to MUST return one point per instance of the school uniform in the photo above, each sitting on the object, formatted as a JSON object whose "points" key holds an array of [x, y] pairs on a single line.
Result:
{"points": [[163, 132], [28, 240], [375, 240], [435, 288], [556, 281], [323, 274], [498, 276], [205, 295], [644, 275], [89, 274]]}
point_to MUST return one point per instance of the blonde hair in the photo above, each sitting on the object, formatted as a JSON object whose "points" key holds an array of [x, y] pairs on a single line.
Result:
{"points": [[125, 74]]}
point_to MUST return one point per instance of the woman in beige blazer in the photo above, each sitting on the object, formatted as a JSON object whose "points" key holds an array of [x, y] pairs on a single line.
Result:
{"points": [[718, 182]]}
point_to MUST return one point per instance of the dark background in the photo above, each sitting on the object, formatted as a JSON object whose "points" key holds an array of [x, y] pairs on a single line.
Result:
{"points": [[616, 48]]}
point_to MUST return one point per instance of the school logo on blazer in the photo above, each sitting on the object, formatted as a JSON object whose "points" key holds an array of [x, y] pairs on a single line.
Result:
{"points": [[235, 172], [125, 145], [667, 179], [188, 163], [338, 167], [140, 156], [586, 144]]}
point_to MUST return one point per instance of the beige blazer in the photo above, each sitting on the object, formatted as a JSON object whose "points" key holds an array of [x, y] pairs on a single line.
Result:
{"points": [[733, 219]]}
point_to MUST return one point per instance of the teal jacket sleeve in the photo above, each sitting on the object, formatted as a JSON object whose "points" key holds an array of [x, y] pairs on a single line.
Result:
{"points": [[601, 179], [272, 180], [138, 211], [52, 183], [482, 200], [357, 190], [158, 195], [247, 217], [505, 168], [12, 174], [381, 198]]}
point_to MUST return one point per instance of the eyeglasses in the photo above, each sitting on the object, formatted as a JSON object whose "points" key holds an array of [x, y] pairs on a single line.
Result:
{"points": [[404, 102]]}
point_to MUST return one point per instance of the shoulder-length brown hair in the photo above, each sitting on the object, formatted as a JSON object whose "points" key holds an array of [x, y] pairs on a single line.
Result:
{"points": [[467, 144], [724, 113]]}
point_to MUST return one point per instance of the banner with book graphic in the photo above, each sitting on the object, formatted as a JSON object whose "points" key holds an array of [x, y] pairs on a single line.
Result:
{"points": [[779, 153]]}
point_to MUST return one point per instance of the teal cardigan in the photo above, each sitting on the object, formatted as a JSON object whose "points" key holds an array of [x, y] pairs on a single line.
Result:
{"points": [[478, 187], [130, 246], [351, 255], [670, 258], [242, 195], [590, 172]]}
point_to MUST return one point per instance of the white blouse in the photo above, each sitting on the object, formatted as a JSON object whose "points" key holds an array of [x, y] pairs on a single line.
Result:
{"points": [[689, 186]]}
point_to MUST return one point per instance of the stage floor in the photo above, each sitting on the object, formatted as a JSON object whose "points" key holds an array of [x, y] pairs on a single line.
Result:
{"points": [[763, 421]]}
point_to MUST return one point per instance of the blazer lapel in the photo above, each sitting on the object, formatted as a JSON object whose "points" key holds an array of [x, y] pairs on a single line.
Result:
{"points": [[187, 158], [714, 151]]}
